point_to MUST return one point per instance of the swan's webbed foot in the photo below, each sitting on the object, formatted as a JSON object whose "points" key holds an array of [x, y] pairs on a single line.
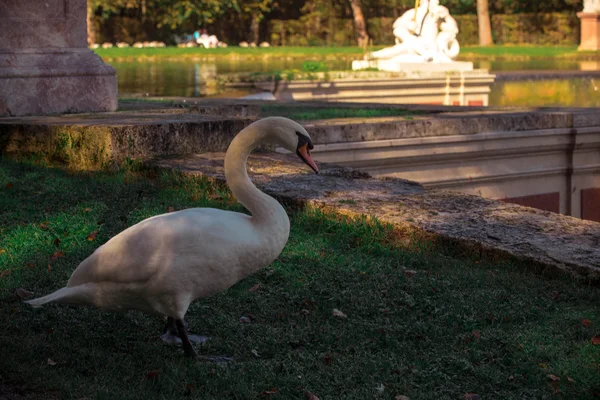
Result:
{"points": [[172, 335]]}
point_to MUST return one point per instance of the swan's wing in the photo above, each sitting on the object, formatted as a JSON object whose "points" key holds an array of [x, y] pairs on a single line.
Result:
{"points": [[158, 245]]}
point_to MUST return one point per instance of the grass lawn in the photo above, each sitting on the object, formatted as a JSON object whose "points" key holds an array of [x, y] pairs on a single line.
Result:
{"points": [[454, 326], [313, 113], [521, 51], [234, 51], [469, 52]]}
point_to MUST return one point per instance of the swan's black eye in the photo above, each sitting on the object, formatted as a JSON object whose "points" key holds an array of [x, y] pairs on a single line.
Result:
{"points": [[303, 139]]}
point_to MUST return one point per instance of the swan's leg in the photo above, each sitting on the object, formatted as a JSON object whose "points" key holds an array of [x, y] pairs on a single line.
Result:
{"points": [[185, 341], [171, 336]]}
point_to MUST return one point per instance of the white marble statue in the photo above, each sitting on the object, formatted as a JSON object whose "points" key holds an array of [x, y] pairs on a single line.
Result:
{"points": [[423, 34], [591, 6]]}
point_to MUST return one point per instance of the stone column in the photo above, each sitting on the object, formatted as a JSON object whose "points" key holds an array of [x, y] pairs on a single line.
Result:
{"points": [[590, 25], [45, 64]]}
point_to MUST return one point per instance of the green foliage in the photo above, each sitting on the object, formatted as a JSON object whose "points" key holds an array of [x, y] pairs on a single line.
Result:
{"points": [[315, 66], [546, 29], [325, 22]]}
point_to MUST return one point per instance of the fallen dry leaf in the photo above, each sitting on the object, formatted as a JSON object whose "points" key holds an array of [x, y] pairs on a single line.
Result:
{"points": [[269, 392], [596, 340], [308, 303], [92, 236], [309, 396], [2, 251], [9, 185], [571, 380], [543, 366], [555, 295], [49, 268], [553, 377], [23, 293], [170, 209], [477, 334], [51, 362], [87, 209], [44, 225], [409, 273], [56, 241], [245, 320], [511, 378], [401, 397], [56, 255], [472, 396], [555, 387], [152, 375], [254, 288], [586, 322], [255, 352], [338, 313], [189, 389]]}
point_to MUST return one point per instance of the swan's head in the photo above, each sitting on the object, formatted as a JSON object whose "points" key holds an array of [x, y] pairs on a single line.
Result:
{"points": [[293, 137]]}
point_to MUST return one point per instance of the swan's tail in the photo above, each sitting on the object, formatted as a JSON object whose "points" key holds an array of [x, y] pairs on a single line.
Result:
{"points": [[66, 295]]}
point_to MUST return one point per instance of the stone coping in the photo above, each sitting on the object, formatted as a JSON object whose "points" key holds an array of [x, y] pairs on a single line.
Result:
{"points": [[548, 242], [145, 130]]}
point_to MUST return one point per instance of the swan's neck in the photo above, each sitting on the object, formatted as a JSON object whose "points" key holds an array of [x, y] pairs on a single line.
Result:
{"points": [[265, 210]]}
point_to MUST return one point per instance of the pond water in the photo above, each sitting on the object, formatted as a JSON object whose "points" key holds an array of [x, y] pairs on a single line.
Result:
{"points": [[195, 78]]}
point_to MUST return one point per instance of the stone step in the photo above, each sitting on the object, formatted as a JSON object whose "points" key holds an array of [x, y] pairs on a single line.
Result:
{"points": [[540, 240]]}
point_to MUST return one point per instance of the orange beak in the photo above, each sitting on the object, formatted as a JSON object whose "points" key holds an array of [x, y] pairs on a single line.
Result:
{"points": [[304, 154]]}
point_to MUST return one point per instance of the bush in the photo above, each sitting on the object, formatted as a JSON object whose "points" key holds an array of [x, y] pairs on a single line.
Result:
{"points": [[541, 29]]}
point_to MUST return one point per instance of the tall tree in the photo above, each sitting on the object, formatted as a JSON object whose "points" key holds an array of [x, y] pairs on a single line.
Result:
{"points": [[485, 26], [256, 10], [92, 34], [359, 23]]}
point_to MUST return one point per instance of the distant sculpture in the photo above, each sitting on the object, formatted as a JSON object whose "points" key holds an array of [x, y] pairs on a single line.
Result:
{"points": [[423, 34], [591, 6]]}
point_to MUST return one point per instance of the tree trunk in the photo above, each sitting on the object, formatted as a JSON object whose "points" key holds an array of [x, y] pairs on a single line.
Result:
{"points": [[254, 28], [92, 35], [359, 23], [485, 26]]}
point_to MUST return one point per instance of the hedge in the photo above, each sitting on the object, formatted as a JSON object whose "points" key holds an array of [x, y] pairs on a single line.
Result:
{"points": [[541, 29]]}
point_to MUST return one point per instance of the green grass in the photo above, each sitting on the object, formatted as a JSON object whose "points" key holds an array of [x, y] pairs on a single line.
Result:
{"points": [[234, 51], [313, 113], [468, 52], [528, 51], [455, 326]]}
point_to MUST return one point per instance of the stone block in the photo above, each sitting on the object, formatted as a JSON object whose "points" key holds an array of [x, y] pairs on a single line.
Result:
{"points": [[45, 65], [590, 31]]}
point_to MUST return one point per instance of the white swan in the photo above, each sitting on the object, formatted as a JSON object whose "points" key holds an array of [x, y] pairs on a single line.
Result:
{"points": [[165, 262]]}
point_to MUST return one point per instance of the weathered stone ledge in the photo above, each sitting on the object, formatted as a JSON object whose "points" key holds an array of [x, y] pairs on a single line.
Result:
{"points": [[541, 240], [99, 140], [147, 130]]}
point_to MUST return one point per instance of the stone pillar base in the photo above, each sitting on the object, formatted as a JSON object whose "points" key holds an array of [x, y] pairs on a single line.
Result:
{"points": [[56, 81], [590, 31]]}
